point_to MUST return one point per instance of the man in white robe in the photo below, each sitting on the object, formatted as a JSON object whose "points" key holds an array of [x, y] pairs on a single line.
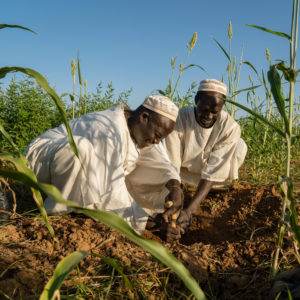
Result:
{"points": [[205, 148], [109, 143]]}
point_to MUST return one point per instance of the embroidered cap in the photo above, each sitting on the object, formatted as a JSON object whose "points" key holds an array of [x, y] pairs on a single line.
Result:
{"points": [[213, 85], [162, 105]]}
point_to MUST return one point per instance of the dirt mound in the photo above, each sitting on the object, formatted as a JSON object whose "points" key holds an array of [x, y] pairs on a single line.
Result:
{"points": [[228, 249]]}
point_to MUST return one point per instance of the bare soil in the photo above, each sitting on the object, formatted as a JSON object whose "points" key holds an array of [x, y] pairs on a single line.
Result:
{"points": [[228, 249]]}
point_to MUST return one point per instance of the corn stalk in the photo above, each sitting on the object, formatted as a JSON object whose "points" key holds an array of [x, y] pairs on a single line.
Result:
{"points": [[288, 213], [288, 199]]}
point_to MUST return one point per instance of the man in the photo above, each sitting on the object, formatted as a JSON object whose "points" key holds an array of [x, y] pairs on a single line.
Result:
{"points": [[109, 143], [205, 147]]}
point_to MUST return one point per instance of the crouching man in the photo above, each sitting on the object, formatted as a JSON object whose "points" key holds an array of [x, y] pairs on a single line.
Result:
{"points": [[109, 143], [205, 148]]}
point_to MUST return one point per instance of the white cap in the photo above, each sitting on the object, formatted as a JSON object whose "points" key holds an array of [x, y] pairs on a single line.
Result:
{"points": [[213, 85], [162, 105]]}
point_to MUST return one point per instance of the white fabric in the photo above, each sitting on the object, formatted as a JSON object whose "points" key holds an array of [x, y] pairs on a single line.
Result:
{"points": [[213, 85], [198, 153], [147, 182], [107, 155], [162, 105]]}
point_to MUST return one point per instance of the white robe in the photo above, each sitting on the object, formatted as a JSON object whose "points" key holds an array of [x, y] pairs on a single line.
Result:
{"points": [[214, 153], [107, 155], [194, 153]]}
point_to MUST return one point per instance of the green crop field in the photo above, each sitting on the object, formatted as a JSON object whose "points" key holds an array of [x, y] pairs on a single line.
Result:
{"points": [[268, 111]]}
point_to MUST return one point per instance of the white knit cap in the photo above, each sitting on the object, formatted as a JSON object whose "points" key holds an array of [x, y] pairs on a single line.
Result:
{"points": [[162, 105], [213, 85]]}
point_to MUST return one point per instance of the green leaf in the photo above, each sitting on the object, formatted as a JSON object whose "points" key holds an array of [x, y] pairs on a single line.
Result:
{"points": [[44, 84], [257, 116], [194, 65], [27, 176], [115, 264], [245, 89], [64, 267], [275, 83], [288, 73], [9, 139], [223, 49], [278, 33], [248, 63], [2, 26], [79, 71], [116, 222]]}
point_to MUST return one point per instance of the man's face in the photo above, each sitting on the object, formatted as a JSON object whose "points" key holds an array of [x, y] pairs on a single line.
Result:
{"points": [[208, 108], [152, 129]]}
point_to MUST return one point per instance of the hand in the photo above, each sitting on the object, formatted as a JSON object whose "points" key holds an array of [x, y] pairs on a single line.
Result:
{"points": [[173, 204], [184, 220], [171, 232]]}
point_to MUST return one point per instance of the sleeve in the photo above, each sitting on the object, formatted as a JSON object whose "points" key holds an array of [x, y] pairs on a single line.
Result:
{"points": [[219, 163], [174, 146], [155, 162]]}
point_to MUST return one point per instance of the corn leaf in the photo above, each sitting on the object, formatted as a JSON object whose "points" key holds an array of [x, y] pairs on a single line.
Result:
{"points": [[27, 176], [42, 82], [2, 26], [116, 222], [257, 116], [223, 49], [278, 33], [287, 189], [275, 83], [64, 267], [288, 73]]}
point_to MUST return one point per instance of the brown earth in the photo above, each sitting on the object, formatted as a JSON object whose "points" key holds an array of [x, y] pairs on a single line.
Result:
{"points": [[228, 250]]}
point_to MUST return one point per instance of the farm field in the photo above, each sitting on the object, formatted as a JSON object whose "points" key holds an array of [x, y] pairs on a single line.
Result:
{"points": [[243, 240], [227, 249]]}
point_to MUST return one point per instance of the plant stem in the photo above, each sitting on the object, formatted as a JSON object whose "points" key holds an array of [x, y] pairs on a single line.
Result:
{"points": [[289, 130]]}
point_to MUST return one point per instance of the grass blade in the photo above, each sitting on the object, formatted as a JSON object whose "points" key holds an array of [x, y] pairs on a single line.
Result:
{"points": [[2, 26], [258, 116], [248, 63], [115, 265], [79, 71], [41, 81], [64, 267], [278, 33], [223, 49], [246, 89], [9, 139], [194, 65]]}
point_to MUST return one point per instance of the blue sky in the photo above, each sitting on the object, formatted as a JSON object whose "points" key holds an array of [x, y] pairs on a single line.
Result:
{"points": [[131, 42]]}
